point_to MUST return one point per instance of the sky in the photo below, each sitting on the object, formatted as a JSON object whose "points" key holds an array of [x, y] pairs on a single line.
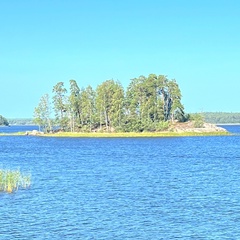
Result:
{"points": [[43, 42]]}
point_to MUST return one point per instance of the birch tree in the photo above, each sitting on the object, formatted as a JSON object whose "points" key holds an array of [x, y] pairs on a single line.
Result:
{"points": [[60, 105], [42, 114]]}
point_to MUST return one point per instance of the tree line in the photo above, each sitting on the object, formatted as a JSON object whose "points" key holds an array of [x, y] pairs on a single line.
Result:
{"points": [[148, 104], [221, 117], [3, 121], [20, 121]]}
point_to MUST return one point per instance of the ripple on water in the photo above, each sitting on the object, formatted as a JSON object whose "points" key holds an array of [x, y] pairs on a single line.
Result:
{"points": [[151, 188]]}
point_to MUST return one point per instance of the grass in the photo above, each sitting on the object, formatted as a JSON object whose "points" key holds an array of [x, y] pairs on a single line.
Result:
{"points": [[12, 180], [13, 134], [124, 134], [135, 134]]}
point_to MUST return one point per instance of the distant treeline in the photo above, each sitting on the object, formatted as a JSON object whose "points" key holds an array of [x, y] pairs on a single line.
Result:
{"points": [[221, 117], [20, 121], [3, 121]]}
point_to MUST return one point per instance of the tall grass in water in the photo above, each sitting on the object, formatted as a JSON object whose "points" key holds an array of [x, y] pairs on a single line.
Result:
{"points": [[12, 180]]}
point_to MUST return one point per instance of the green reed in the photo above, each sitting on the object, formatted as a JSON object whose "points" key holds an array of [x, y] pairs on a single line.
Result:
{"points": [[12, 180]]}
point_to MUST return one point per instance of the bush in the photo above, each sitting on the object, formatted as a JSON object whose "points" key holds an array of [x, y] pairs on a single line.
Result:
{"points": [[198, 120], [162, 126]]}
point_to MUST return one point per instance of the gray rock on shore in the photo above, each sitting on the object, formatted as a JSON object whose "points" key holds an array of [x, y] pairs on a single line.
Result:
{"points": [[206, 128], [34, 133]]}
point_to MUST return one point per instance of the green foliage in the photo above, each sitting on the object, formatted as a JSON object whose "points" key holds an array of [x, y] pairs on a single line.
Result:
{"points": [[162, 126], [148, 104], [109, 104], [3, 121], [42, 114], [198, 120], [154, 99], [133, 125], [60, 105]]}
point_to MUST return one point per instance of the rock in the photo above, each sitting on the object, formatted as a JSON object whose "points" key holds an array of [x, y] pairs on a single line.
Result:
{"points": [[34, 133], [189, 127]]}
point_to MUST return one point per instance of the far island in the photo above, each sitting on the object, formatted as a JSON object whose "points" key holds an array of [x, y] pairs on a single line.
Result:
{"points": [[3, 121]]}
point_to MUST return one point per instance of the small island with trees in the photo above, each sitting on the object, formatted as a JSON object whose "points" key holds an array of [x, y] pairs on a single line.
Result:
{"points": [[3, 121], [150, 105]]}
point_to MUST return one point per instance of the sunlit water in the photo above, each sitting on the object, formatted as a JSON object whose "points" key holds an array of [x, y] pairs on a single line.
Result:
{"points": [[123, 188], [17, 128]]}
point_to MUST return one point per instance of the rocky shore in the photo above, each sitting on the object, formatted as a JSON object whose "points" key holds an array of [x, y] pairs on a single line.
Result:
{"points": [[177, 128], [34, 133], [189, 127]]}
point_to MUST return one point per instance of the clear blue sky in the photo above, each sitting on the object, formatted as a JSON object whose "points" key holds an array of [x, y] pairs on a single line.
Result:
{"points": [[196, 42]]}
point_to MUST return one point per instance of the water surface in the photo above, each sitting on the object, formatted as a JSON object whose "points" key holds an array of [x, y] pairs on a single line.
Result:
{"points": [[123, 188]]}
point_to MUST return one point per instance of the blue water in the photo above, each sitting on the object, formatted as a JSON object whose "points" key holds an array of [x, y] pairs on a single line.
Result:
{"points": [[232, 128], [18, 128], [123, 188]]}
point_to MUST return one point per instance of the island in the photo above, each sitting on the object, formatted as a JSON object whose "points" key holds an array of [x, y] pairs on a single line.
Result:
{"points": [[149, 106], [3, 121]]}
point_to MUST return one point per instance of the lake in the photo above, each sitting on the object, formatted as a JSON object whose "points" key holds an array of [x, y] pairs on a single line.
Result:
{"points": [[122, 188]]}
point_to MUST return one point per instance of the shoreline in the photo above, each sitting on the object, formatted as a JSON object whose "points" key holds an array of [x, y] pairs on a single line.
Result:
{"points": [[176, 130], [122, 134]]}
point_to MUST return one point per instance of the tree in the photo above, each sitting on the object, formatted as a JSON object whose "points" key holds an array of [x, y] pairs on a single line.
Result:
{"points": [[88, 107], [74, 105], [176, 110], [60, 105], [117, 108], [150, 104], [42, 114], [150, 101], [198, 120], [3, 121], [135, 104], [146, 102], [169, 92], [163, 94], [109, 102]]}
